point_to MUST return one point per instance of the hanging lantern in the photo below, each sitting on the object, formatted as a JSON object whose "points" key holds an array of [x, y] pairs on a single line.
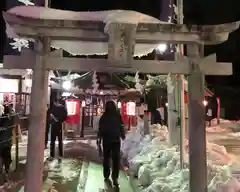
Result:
{"points": [[119, 105], [71, 107], [131, 108]]}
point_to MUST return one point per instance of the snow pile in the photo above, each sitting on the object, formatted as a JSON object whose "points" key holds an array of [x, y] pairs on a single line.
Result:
{"points": [[157, 166], [216, 129], [237, 134], [215, 121]]}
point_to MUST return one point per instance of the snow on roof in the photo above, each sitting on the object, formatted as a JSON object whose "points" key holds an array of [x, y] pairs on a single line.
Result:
{"points": [[88, 48], [125, 16]]}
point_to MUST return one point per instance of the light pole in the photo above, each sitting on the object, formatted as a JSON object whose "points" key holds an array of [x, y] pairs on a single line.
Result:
{"points": [[83, 111]]}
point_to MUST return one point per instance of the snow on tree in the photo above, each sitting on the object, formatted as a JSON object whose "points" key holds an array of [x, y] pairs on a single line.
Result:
{"points": [[138, 86], [94, 82], [156, 81]]}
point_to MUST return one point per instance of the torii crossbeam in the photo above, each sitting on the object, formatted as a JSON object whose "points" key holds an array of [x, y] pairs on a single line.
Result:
{"points": [[122, 39]]}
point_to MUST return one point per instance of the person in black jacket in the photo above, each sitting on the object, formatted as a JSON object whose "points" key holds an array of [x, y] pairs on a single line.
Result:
{"points": [[57, 115], [6, 128], [111, 131], [156, 117]]}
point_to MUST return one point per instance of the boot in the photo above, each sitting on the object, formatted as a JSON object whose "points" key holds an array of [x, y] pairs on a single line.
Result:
{"points": [[115, 183]]}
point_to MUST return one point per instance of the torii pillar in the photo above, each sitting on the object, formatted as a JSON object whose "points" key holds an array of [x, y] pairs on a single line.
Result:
{"points": [[197, 130], [35, 151]]}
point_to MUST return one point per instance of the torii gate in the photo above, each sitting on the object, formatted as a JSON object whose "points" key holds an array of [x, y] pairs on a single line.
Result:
{"points": [[121, 38]]}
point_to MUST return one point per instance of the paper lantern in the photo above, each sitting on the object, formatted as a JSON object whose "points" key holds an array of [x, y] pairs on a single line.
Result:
{"points": [[71, 107], [131, 108]]}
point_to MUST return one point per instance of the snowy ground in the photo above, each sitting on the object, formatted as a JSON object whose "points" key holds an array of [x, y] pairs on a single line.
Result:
{"points": [[79, 171]]}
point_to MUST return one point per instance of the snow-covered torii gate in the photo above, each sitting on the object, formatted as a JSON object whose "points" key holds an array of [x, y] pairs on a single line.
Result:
{"points": [[122, 37]]}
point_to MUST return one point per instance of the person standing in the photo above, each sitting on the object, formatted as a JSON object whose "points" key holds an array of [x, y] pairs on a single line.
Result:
{"points": [[111, 131], [57, 115], [156, 117], [6, 135]]}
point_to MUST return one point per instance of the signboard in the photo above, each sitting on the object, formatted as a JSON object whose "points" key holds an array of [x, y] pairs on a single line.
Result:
{"points": [[121, 43], [9, 85]]}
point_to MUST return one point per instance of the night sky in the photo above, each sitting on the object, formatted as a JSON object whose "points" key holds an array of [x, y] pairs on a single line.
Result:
{"points": [[195, 11]]}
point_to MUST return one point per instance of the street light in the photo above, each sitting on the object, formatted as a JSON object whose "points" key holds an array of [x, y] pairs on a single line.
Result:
{"points": [[119, 105], [205, 103], [161, 48], [67, 85]]}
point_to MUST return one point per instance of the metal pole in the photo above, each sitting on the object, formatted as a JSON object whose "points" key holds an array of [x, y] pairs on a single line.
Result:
{"points": [[36, 131], [197, 131]]}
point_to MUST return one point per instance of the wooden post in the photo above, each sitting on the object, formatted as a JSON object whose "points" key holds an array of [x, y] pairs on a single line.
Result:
{"points": [[182, 118], [197, 132], [218, 110], [17, 142], [36, 131], [172, 115], [82, 122]]}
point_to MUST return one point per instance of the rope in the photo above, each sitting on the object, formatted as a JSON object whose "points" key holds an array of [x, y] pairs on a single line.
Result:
{"points": [[10, 139], [13, 137], [11, 115]]}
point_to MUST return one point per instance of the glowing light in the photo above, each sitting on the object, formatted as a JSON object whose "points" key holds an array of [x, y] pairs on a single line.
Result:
{"points": [[9, 85], [66, 94], [162, 48], [101, 92], [83, 103], [166, 104], [119, 105], [71, 107], [205, 103], [131, 108], [67, 85]]}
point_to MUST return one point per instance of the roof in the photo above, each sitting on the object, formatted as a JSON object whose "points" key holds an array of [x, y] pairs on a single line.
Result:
{"points": [[105, 80]]}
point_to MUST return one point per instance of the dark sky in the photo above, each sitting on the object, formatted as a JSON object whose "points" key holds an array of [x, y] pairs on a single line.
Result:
{"points": [[196, 11]]}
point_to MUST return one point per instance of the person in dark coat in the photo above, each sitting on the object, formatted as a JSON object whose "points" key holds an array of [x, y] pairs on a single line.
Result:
{"points": [[6, 129], [57, 115], [156, 117], [111, 131]]}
